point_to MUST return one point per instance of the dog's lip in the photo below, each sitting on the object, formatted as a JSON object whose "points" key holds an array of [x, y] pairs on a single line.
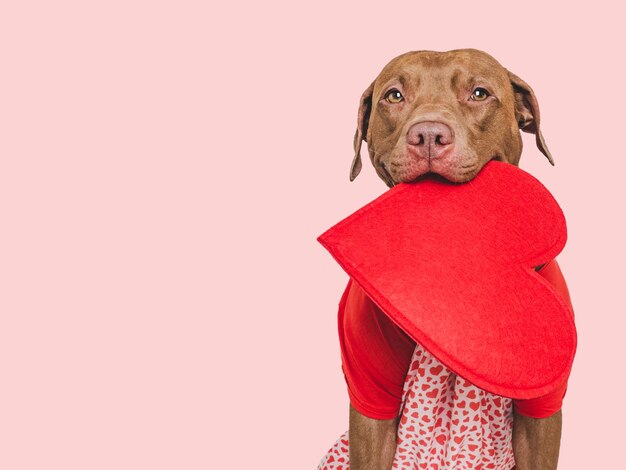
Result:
{"points": [[438, 170], [431, 175]]}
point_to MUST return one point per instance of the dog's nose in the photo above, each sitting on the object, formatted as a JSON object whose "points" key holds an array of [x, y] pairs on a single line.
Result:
{"points": [[430, 138]]}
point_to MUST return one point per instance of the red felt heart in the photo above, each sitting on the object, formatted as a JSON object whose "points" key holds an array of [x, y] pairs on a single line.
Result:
{"points": [[452, 265]]}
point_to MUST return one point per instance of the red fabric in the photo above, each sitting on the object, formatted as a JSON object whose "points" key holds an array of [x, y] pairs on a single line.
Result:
{"points": [[420, 252], [376, 355]]}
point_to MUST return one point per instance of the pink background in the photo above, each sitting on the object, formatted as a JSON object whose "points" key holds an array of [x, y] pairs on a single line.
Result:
{"points": [[165, 169]]}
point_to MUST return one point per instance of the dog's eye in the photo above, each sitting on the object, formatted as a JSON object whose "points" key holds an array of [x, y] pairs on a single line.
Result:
{"points": [[479, 94], [394, 96]]}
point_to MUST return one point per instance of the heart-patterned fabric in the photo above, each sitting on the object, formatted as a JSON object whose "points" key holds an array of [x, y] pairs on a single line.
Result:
{"points": [[445, 423]]}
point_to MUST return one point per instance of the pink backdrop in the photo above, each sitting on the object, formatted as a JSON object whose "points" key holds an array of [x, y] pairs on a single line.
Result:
{"points": [[165, 169]]}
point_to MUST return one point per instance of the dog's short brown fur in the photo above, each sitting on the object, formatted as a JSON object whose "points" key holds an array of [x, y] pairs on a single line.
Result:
{"points": [[447, 113], [439, 98]]}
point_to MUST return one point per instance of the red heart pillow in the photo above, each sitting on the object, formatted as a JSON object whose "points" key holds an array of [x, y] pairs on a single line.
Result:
{"points": [[453, 265]]}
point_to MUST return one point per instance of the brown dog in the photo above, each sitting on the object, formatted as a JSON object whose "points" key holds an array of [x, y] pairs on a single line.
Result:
{"points": [[447, 113]]}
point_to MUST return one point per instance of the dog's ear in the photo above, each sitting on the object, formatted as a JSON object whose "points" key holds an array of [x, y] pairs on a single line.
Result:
{"points": [[527, 112], [363, 118]]}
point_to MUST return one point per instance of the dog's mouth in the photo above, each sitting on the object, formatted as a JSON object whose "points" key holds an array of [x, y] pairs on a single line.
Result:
{"points": [[460, 175], [391, 181], [431, 175]]}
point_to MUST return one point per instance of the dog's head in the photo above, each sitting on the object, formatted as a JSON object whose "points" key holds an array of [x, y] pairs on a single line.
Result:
{"points": [[447, 113]]}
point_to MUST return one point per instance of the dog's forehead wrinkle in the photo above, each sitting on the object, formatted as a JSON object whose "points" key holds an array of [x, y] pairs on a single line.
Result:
{"points": [[454, 78], [406, 77]]}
